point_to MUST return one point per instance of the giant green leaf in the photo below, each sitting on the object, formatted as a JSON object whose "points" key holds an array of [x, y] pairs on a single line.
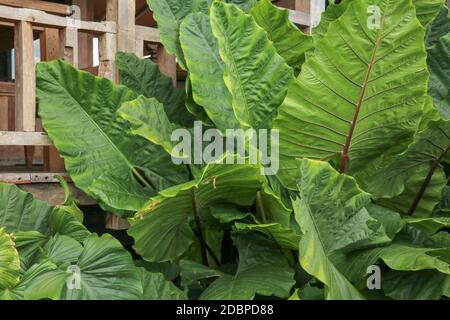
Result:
{"points": [[255, 74], [78, 111], [284, 236], [20, 212], [148, 119], [332, 13], [156, 287], [419, 285], [413, 182], [169, 14], [9, 262], [439, 28], [397, 256], [206, 70], [106, 272], [439, 66], [263, 269], [245, 5], [427, 10], [144, 78], [360, 97], [290, 42], [161, 229], [332, 218]]}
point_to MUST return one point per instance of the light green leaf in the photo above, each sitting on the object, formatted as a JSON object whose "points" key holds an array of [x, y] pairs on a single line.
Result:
{"points": [[161, 229], [62, 250], [106, 272], [439, 28], [156, 287], [430, 225], [263, 269], [245, 5], [9, 263], [192, 272], [255, 74], [427, 10], [332, 217], [98, 151], [439, 66], [148, 119], [144, 78], [331, 14], [206, 70], [359, 98], [406, 185], [65, 223], [285, 237], [28, 243], [419, 285], [169, 14], [20, 212], [290, 42]]}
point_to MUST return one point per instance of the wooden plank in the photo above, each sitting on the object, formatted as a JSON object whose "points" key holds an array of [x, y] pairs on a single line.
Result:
{"points": [[139, 48], [4, 113], [107, 51], [53, 193], [40, 18], [167, 63], [50, 50], [16, 138], [29, 177], [7, 89], [25, 77], [68, 39], [49, 7], [85, 40], [147, 34], [301, 19], [126, 25], [313, 9]]}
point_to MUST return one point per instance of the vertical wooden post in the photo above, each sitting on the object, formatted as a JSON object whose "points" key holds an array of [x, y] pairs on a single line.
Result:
{"points": [[4, 113], [139, 48], [51, 50], [25, 77], [314, 8], [167, 63], [107, 50], [85, 40], [69, 45], [68, 39], [126, 26]]}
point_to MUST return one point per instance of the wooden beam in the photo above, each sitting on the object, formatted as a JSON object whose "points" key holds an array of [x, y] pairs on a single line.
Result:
{"points": [[147, 34], [40, 18], [85, 40], [299, 18], [4, 113], [20, 138], [311, 11], [25, 77], [29, 177], [126, 25], [49, 7], [107, 51], [52, 193], [7, 89]]}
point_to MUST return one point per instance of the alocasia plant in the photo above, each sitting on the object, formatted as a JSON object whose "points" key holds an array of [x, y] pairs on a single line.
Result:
{"points": [[362, 114]]}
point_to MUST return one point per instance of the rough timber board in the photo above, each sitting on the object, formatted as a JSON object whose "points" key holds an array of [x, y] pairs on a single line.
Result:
{"points": [[53, 193]]}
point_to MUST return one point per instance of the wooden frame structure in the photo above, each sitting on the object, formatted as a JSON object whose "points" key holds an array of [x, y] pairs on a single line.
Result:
{"points": [[61, 29]]}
